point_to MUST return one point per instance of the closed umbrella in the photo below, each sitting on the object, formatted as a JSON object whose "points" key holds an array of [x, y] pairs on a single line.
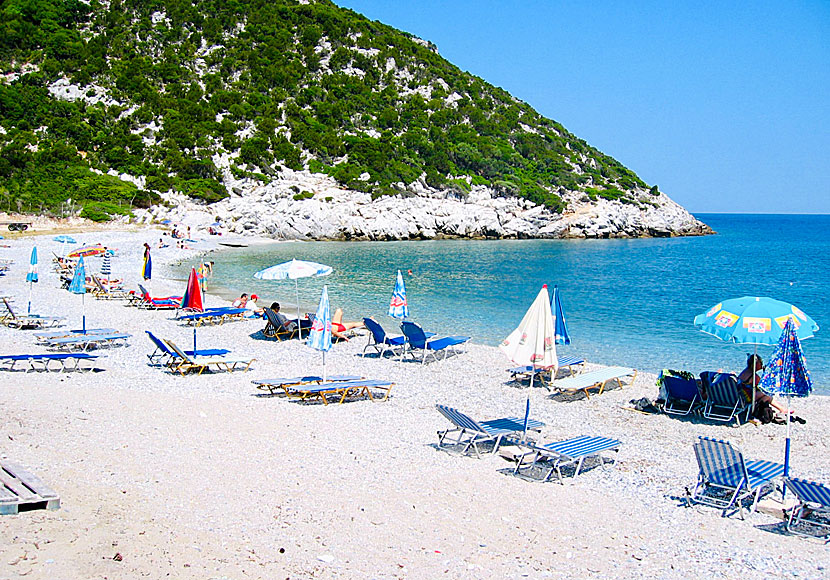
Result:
{"points": [[294, 270], [398, 308], [31, 277], [560, 325], [78, 286], [192, 299], [319, 337], [147, 267], [533, 342], [106, 267], [787, 375], [754, 320]]}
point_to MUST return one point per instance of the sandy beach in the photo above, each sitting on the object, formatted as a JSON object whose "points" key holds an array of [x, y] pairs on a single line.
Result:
{"points": [[202, 477]]}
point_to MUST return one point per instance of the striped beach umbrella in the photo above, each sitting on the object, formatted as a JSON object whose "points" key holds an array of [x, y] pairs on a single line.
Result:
{"points": [[398, 307], [78, 286], [31, 277], [319, 338], [87, 251], [106, 266]]}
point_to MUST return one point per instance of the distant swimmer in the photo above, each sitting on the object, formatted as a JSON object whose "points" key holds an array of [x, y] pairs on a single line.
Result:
{"points": [[409, 272]]}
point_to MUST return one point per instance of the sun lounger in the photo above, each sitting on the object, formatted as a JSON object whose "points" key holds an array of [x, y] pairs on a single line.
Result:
{"points": [[418, 340], [186, 363], [471, 433], [724, 400], [28, 321], [163, 352], [341, 389], [148, 302], [594, 380], [88, 341], [724, 472], [43, 336], [105, 292], [49, 362], [682, 395], [564, 362], [813, 509], [273, 386], [275, 329], [213, 316], [555, 456]]}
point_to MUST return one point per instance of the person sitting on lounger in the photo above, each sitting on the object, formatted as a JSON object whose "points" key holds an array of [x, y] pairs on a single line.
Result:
{"points": [[289, 325], [240, 302], [338, 327], [253, 307], [754, 366]]}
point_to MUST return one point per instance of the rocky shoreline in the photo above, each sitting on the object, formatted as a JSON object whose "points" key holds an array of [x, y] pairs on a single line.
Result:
{"points": [[299, 205]]}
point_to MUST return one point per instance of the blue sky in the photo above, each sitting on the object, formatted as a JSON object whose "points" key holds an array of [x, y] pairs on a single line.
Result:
{"points": [[725, 106]]}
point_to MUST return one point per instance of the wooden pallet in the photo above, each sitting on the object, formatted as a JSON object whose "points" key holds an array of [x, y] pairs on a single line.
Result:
{"points": [[20, 491]]}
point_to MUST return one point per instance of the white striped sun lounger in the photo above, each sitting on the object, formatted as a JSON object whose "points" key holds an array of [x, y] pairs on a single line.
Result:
{"points": [[471, 432], [559, 454], [813, 509], [87, 341], [594, 380]]}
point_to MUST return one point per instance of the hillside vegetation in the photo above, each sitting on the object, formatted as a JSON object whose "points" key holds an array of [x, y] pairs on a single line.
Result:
{"points": [[173, 92]]}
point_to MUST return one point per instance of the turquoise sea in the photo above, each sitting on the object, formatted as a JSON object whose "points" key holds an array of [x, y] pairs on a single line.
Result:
{"points": [[628, 302]]}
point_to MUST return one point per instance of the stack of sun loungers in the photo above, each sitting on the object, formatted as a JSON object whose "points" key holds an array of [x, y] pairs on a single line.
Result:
{"points": [[565, 362], [339, 387], [61, 362], [87, 341], [594, 380], [211, 316], [29, 321]]}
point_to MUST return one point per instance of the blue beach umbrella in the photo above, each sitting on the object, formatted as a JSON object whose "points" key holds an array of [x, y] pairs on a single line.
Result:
{"points": [[31, 277], [560, 326], [398, 308], [754, 320], [294, 270], [787, 375], [63, 241], [319, 337], [78, 286]]}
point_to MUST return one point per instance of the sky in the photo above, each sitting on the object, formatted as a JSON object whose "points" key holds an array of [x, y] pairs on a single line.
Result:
{"points": [[724, 105]]}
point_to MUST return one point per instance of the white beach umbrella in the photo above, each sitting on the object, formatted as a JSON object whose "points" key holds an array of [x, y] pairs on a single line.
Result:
{"points": [[294, 270]]}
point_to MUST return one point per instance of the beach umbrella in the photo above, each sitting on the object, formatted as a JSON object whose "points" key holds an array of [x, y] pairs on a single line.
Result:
{"points": [[64, 240], [787, 375], [87, 251], [398, 308], [754, 320], [319, 337], [192, 298], [560, 326], [294, 270], [31, 277], [78, 286], [106, 266], [533, 343]]}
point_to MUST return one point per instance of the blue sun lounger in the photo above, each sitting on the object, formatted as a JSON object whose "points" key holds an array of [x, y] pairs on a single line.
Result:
{"points": [[42, 362], [471, 432], [273, 386], [564, 362], [682, 395], [594, 380], [163, 352], [343, 389], [88, 341], [557, 455], [724, 401], [417, 339], [813, 508], [722, 469], [42, 336]]}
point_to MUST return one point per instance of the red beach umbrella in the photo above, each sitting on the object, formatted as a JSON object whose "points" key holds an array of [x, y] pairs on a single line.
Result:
{"points": [[192, 298]]}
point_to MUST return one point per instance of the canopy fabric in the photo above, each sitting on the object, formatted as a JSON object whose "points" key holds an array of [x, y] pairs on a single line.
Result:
{"points": [[787, 372], [32, 275], [192, 298], [319, 337], [78, 283], [106, 265], [398, 307], [87, 251], [293, 270], [754, 320], [533, 341], [560, 325]]}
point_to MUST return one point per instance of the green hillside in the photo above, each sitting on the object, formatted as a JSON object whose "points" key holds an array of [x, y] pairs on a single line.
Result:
{"points": [[165, 89]]}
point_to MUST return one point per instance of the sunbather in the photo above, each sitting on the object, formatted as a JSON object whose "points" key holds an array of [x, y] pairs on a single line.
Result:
{"points": [[338, 327]]}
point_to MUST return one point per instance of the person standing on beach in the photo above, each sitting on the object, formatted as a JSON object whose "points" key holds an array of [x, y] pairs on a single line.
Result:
{"points": [[147, 270]]}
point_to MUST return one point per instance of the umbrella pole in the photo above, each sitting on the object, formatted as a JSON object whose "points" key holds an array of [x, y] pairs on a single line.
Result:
{"points": [[29, 308], [194, 341], [324, 367], [787, 444], [754, 379], [83, 312], [297, 290]]}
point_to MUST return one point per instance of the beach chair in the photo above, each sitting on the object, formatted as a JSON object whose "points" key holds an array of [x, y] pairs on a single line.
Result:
{"points": [[29, 321], [594, 380], [61, 362], [88, 341], [148, 302], [471, 433], [104, 292], [274, 386], [380, 341], [682, 395], [163, 352], [725, 479], [555, 456], [44, 336], [212, 316], [812, 512], [186, 363], [724, 400], [341, 389], [274, 328], [564, 362], [418, 340]]}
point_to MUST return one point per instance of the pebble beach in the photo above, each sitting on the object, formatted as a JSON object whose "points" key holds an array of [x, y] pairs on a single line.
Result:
{"points": [[161, 475]]}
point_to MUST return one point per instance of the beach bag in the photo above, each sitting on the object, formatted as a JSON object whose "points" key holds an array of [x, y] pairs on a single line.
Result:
{"points": [[763, 412]]}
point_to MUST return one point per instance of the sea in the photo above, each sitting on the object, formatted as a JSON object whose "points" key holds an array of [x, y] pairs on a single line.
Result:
{"points": [[626, 302]]}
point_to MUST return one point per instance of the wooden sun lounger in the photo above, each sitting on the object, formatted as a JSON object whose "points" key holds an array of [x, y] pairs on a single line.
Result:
{"points": [[275, 386], [186, 363], [594, 380], [343, 389], [213, 316]]}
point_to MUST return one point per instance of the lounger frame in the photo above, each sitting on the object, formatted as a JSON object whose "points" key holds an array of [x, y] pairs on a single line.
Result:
{"points": [[597, 379], [472, 433], [812, 512]]}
